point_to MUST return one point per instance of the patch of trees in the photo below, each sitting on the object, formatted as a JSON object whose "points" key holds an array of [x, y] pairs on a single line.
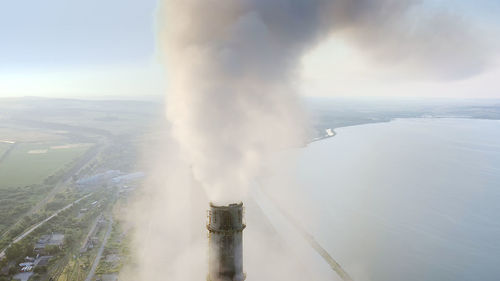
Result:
{"points": [[17, 251], [15, 202], [52, 250], [54, 205], [40, 269]]}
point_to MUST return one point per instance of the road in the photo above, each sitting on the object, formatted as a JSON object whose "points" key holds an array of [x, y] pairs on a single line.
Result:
{"points": [[101, 250], [334, 265], [24, 276], [26, 233], [91, 232], [82, 162]]}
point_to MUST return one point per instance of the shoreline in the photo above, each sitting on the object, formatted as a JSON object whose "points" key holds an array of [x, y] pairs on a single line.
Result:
{"points": [[395, 119]]}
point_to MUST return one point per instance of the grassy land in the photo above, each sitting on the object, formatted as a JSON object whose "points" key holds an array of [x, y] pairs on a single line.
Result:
{"points": [[14, 202], [32, 163], [117, 252], [27, 175], [117, 246], [19, 223]]}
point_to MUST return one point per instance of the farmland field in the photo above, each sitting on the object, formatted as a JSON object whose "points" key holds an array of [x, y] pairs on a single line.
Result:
{"points": [[31, 163], [51, 144]]}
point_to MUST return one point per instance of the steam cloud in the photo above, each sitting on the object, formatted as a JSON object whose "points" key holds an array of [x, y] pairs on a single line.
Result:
{"points": [[231, 103], [232, 108], [232, 65]]}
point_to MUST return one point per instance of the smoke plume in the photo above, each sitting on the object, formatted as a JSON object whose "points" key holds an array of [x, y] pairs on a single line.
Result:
{"points": [[232, 110], [232, 65]]}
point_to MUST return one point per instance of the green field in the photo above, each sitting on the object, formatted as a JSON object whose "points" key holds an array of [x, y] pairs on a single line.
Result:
{"points": [[31, 163]]}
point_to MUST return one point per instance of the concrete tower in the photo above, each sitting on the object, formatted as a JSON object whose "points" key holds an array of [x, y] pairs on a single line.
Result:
{"points": [[225, 249]]}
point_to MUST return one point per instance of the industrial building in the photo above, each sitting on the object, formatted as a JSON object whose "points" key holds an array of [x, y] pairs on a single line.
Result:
{"points": [[225, 231], [53, 239]]}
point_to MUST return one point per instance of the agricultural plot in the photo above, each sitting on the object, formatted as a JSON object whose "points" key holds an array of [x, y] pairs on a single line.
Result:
{"points": [[32, 163], [14, 133]]}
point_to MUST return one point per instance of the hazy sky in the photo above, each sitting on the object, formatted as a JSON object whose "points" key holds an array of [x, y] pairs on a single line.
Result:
{"points": [[78, 48], [96, 48]]}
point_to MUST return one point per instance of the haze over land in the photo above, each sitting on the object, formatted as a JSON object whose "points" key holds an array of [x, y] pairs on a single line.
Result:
{"points": [[112, 127], [237, 97]]}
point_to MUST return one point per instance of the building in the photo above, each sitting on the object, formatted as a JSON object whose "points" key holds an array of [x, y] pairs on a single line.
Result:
{"points": [[128, 177], [98, 179], [53, 239]]}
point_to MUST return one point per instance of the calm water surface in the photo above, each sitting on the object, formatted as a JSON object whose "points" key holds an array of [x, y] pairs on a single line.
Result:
{"points": [[412, 199]]}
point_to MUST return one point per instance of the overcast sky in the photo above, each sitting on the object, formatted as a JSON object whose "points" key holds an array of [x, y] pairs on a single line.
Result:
{"points": [[103, 49]]}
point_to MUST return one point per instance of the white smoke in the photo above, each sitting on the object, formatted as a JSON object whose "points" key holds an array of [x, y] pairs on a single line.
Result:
{"points": [[231, 102], [232, 65], [232, 107]]}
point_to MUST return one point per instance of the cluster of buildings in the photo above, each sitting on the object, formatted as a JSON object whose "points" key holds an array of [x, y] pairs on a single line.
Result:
{"points": [[109, 177], [30, 263], [53, 239], [42, 258]]}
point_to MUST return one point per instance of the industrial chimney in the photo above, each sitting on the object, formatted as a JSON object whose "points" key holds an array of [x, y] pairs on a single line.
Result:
{"points": [[225, 249]]}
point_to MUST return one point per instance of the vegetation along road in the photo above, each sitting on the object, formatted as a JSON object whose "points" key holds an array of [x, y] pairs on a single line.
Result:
{"points": [[26, 233], [101, 250]]}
